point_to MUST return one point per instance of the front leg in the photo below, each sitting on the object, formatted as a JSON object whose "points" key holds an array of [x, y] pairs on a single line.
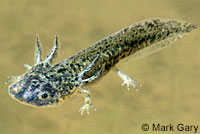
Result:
{"points": [[127, 80], [88, 101]]}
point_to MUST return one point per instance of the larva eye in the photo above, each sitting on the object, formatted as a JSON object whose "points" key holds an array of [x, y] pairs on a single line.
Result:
{"points": [[35, 82], [44, 96]]}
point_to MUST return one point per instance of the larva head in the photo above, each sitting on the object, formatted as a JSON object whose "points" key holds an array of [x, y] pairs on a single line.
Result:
{"points": [[35, 87]]}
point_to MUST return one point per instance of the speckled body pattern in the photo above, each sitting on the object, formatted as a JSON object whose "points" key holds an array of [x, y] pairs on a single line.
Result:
{"points": [[45, 84]]}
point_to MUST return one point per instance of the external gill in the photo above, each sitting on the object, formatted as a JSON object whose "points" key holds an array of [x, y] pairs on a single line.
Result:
{"points": [[53, 53], [12, 79], [38, 54]]}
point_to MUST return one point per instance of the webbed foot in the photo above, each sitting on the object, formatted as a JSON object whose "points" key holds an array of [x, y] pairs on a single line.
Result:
{"points": [[129, 81], [88, 103], [87, 107]]}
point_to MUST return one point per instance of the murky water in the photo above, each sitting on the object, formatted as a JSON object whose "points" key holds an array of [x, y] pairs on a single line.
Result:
{"points": [[171, 78]]}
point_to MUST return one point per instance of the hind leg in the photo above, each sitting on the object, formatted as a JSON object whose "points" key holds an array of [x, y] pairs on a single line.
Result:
{"points": [[88, 103], [127, 80]]}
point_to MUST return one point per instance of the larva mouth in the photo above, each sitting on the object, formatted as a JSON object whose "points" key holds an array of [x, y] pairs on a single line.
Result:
{"points": [[14, 89]]}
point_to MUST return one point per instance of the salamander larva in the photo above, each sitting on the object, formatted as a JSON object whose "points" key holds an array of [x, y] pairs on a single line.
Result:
{"points": [[45, 84]]}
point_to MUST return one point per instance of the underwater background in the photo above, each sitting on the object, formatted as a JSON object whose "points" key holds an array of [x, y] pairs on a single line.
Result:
{"points": [[170, 78]]}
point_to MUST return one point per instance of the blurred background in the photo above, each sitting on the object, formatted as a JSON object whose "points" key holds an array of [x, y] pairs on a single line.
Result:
{"points": [[170, 78]]}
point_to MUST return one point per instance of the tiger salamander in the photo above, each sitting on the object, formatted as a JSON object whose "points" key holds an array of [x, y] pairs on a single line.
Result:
{"points": [[46, 84]]}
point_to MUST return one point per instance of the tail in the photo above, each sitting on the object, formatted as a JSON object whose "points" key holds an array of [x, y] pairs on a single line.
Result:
{"points": [[159, 34], [140, 39], [144, 38]]}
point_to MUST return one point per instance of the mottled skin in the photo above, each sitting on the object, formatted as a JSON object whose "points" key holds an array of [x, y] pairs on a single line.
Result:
{"points": [[45, 84]]}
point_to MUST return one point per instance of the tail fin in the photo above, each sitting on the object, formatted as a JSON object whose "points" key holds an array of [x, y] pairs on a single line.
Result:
{"points": [[170, 32]]}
